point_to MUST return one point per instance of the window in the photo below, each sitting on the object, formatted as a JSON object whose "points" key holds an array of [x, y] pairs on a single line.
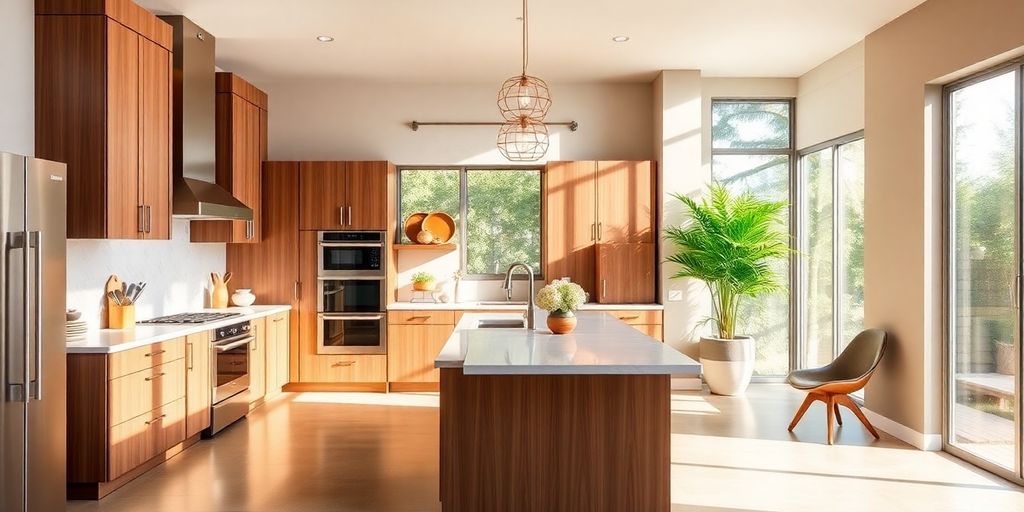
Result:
{"points": [[831, 242], [497, 211], [752, 151]]}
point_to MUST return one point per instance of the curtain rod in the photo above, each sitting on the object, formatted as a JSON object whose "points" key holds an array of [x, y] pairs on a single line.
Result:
{"points": [[415, 125]]}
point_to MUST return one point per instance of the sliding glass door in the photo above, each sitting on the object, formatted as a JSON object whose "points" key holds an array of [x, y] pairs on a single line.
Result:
{"points": [[983, 385]]}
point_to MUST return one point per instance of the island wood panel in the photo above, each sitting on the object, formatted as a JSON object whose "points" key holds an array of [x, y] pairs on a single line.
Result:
{"points": [[367, 193], [625, 273], [140, 439], [411, 353], [197, 383], [70, 53], [143, 391], [258, 361], [569, 222], [554, 442], [625, 201], [122, 128], [323, 195], [87, 427], [126, 12], [155, 138]]}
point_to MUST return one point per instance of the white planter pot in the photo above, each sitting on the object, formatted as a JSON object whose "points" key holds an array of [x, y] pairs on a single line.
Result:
{"points": [[728, 364]]}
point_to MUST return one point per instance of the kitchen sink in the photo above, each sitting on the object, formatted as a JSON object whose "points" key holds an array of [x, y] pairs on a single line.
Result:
{"points": [[501, 324]]}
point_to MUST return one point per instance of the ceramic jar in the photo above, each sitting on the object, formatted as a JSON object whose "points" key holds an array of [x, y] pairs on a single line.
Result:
{"points": [[243, 297]]}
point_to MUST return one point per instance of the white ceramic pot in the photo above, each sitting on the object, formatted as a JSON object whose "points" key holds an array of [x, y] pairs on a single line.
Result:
{"points": [[243, 298], [728, 364]]}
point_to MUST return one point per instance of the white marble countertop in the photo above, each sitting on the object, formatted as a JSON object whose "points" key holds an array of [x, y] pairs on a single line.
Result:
{"points": [[601, 344], [108, 341], [513, 306]]}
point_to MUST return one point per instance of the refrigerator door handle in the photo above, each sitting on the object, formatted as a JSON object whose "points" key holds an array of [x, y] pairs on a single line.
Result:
{"points": [[14, 391], [36, 242]]}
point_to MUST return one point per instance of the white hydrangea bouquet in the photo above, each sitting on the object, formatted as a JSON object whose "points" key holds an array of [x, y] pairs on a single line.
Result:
{"points": [[560, 299]]}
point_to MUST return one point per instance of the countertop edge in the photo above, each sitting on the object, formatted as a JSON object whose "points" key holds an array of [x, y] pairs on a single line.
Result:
{"points": [[473, 306]]}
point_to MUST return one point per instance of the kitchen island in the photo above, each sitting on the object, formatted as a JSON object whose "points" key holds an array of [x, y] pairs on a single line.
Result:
{"points": [[535, 421]]}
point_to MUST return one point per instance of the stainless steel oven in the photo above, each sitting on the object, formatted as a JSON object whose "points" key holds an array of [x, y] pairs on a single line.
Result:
{"points": [[351, 253], [339, 333], [229, 350], [351, 294]]}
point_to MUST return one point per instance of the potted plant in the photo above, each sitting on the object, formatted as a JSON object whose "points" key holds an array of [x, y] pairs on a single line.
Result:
{"points": [[423, 282], [561, 299], [729, 242]]}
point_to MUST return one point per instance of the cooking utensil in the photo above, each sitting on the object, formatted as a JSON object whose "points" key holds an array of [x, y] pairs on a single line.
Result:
{"points": [[138, 291], [130, 292], [227, 277], [113, 298]]}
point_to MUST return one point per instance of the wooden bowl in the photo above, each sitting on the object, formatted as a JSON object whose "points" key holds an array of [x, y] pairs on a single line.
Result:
{"points": [[441, 225], [413, 225]]}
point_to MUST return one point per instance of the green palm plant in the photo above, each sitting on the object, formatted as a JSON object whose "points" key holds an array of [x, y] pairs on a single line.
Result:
{"points": [[730, 242]]}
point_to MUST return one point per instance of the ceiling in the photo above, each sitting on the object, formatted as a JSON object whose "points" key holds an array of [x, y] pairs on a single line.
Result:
{"points": [[570, 40]]}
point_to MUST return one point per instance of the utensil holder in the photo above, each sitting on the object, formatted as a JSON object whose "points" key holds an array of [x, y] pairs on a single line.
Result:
{"points": [[219, 297], [121, 317]]}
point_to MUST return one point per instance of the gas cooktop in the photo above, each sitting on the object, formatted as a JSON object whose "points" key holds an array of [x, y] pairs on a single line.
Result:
{"points": [[189, 318]]}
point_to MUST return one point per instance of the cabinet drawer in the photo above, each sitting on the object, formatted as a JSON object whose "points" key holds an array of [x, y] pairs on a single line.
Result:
{"points": [[421, 317], [136, 359], [638, 317], [144, 437], [143, 391], [346, 368], [412, 349]]}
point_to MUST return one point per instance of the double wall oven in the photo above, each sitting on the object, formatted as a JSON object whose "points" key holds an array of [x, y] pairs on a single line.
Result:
{"points": [[351, 292]]}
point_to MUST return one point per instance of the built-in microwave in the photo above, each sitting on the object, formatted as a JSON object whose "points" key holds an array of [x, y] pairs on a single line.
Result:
{"points": [[350, 253], [345, 333]]}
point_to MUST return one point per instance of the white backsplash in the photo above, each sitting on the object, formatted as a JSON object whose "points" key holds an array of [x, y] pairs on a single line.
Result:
{"points": [[177, 272], [442, 266]]}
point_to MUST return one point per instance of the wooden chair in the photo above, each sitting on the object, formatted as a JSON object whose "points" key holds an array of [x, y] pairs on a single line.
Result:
{"points": [[833, 383]]}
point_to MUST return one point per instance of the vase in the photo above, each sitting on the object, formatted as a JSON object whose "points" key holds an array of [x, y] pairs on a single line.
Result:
{"points": [[243, 297], [561, 322], [219, 296]]}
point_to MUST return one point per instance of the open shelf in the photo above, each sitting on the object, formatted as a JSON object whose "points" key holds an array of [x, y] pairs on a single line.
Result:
{"points": [[426, 247]]}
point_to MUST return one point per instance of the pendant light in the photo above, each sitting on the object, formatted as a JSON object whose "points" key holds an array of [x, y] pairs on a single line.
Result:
{"points": [[524, 101]]}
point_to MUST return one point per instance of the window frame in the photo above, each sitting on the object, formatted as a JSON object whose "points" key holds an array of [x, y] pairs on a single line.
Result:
{"points": [[464, 212], [790, 152]]}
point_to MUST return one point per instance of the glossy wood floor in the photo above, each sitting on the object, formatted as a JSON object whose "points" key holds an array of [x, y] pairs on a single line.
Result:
{"points": [[374, 452]]}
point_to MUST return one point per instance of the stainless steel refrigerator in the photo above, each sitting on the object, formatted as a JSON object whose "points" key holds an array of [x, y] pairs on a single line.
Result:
{"points": [[32, 327]]}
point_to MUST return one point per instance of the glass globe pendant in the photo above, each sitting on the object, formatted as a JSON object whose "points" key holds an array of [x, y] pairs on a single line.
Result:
{"points": [[523, 140], [524, 101]]}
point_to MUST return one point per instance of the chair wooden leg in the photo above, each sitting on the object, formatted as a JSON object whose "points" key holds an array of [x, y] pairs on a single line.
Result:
{"points": [[830, 407], [851, 405], [808, 400], [839, 417]]}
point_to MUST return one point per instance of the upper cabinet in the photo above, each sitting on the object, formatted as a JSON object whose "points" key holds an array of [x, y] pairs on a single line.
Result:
{"points": [[103, 107], [346, 195], [241, 150], [589, 204]]}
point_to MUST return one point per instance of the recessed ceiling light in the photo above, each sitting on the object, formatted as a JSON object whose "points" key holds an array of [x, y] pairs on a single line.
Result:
{"points": [[324, 39], [620, 39]]}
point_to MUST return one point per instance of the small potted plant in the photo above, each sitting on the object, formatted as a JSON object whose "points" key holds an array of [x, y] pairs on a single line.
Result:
{"points": [[423, 282], [560, 299]]}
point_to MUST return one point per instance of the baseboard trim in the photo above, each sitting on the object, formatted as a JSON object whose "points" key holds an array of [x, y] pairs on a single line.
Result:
{"points": [[926, 442], [687, 384]]}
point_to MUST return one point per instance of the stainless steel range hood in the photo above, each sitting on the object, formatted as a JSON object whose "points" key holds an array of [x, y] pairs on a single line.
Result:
{"points": [[196, 193]]}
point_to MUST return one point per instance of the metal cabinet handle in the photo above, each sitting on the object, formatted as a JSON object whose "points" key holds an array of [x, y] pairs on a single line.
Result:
{"points": [[598, 230], [634, 317], [593, 231], [36, 241], [349, 215], [341, 215], [343, 363], [154, 377], [604, 288], [158, 352], [142, 218], [154, 420], [149, 219], [191, 355], [421, 317]]}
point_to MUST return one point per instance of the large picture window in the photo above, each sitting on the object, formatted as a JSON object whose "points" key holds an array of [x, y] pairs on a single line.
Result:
{"points": [[497, 211], [752, 151]]}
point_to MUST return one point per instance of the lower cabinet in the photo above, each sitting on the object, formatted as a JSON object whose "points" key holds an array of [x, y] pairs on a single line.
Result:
{"points": [[258, 362], [345, 369], [278, 348], [197, 383], [414, 339], [648, 321]]}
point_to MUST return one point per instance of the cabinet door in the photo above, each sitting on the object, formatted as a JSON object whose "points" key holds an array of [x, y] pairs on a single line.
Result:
{"points": [[322, 197], [197, 383], [367, 196], [625, 273], [280, 341], [155, 139], [124, 206], [258, 361], [246, 161], [569, 222], [625, 202], [411, 351]]}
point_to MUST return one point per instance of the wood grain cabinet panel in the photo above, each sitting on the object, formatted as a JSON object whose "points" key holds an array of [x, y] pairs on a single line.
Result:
{"points": [[344, 368], [323, 195], [143, 391], [637, 317], [412, 349], [137, 440], [625, 273], [142, 358], [103, 107], [197, 383], [346, 195], [277, 353], [258, 361], [421, 317], [570, 222], [625, 202], [367, 195]]}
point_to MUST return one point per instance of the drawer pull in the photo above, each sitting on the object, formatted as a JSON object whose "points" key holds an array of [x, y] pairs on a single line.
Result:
{"points": [[420, 317], [154, 420], [158, 352], [634, 317], [343, 363], [157, 376]]}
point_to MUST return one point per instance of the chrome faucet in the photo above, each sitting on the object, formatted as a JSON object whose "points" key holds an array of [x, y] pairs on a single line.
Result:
{"points": [[507, 286]]}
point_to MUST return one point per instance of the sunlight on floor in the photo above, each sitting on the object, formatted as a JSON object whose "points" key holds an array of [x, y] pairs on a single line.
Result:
{"points": [[692, 404], [391, 399]]}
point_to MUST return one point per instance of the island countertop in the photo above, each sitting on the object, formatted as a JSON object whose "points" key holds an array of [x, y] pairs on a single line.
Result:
{"points": [[600, 345]]}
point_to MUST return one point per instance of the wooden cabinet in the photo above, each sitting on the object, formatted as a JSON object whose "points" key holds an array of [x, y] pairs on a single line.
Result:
{"points": [[103, 107], [648, 321], [414, 339], [590, 203], [625, 273], [345, 195], [258, 361], [278, 348], [197, 383], [142, 391], [241, 148], [345, 369]]}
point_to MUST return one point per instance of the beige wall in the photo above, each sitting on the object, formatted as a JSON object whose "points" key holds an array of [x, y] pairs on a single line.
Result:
{"points": [[17, 104], [830, 98], [903, 214]]}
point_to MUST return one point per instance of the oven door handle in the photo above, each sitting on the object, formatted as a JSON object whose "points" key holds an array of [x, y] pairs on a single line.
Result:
{"points": [[233, 345], [327, 316], [356, 245], [351, 278]]}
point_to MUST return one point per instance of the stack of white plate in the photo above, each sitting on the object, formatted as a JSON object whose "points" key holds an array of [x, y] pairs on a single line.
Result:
{"points": [[76, 330]]}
